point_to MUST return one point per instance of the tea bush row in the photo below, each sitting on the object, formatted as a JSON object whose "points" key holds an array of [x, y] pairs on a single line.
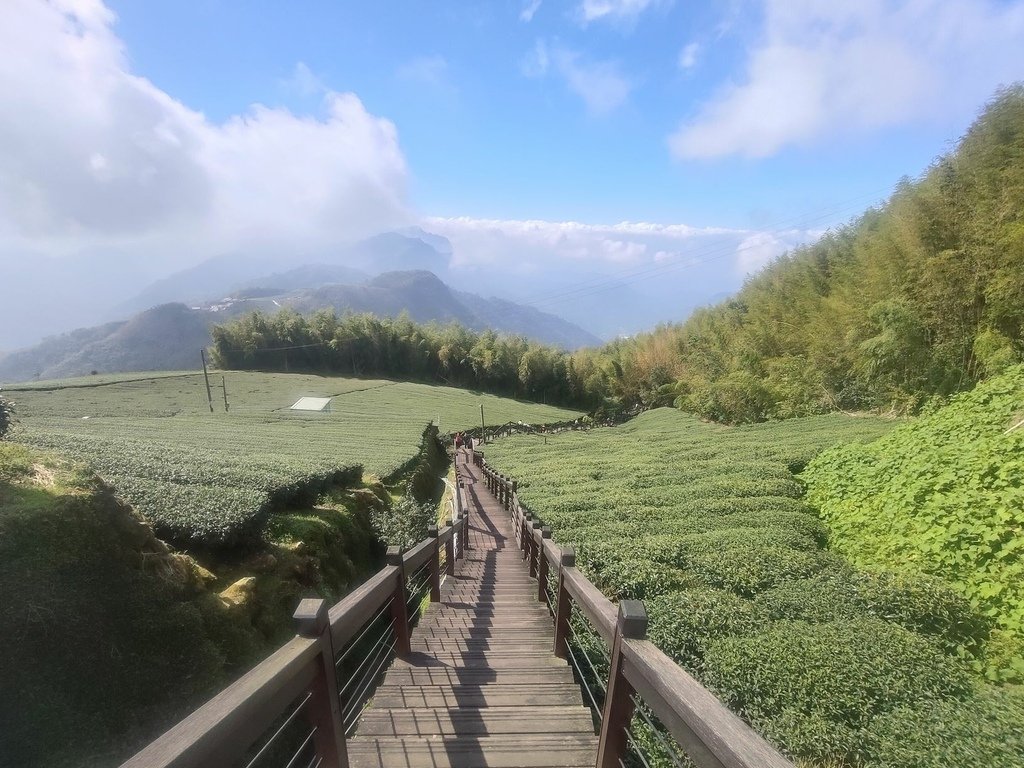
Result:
{"points": [[706, 524], [213, 478]]}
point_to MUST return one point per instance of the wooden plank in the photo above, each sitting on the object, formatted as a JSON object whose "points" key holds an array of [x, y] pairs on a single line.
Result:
{"points": [[226, 725], [349, 616], [418, 555], [528, 695], [493, 720], [600, 611], [504, 751], [477, 675]]}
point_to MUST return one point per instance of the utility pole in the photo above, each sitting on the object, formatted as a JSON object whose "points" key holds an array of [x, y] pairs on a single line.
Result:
{"points": [[224, 385], [483, 435], [209, 397]]}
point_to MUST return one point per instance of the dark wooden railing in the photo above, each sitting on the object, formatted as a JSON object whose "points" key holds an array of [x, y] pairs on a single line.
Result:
{"points": [[297, 707], [633, 685]]}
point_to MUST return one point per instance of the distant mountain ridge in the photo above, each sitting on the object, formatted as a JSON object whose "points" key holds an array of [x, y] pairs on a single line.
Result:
{"points": [[170, 335]]}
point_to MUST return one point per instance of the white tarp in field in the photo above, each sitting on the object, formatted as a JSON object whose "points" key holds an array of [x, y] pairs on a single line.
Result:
{"points": [[312, 404]]}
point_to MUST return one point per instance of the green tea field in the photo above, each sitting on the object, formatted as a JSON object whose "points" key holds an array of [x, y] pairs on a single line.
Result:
{"points": [[211, 477], [707, 525]]}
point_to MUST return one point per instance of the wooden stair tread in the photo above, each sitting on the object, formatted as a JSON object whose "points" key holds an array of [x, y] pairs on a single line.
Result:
{"points": [[499, 751], [481, 687]]}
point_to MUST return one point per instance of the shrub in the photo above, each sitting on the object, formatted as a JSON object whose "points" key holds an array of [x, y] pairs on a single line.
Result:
{"points": [[403, 524], [635, 578], [683, 623], [984, 731], [812, 687], [748, 568], [923, 604], [826, 596]]}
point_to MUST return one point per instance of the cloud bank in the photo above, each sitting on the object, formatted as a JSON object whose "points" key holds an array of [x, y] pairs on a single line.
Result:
{"points": [[94, 156], [832, 68]]}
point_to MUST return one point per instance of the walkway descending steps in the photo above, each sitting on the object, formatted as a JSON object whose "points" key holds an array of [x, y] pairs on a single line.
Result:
{"points": [[482, 687]]}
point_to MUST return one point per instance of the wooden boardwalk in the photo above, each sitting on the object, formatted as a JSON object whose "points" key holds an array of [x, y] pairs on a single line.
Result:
{"points": [[482, 686]]}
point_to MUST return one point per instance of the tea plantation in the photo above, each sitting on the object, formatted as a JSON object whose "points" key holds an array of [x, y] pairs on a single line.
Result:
{"points": [[707, 525], [212, 478]]}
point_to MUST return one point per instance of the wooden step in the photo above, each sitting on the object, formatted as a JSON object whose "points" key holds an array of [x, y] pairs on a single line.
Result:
{"points": [[464, 722], [519, 695], [564, 750], [477, 675]]}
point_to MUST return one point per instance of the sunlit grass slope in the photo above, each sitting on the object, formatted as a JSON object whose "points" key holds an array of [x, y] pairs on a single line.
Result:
{"points": [[211, 477]]}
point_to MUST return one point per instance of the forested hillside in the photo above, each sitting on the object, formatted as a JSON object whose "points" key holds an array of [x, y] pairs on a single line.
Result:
{"points": [[921, 297]]}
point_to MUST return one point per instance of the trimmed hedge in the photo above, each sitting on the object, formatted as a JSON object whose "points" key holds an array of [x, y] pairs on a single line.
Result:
{"points": [[813, 687], [988, 731]]}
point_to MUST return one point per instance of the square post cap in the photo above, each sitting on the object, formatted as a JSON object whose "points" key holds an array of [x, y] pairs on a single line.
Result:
{"points": [[310, 617], [393, 556], [632, 620]]}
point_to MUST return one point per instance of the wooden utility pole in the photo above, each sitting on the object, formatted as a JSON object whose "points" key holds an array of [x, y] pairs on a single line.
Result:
{"points": [[206, 375], [224, 386]]}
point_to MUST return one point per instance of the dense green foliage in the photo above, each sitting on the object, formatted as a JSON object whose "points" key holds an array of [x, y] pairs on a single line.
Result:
{"points": [[365, 345], [101, 641], [706, 523], [943, 495], [212, 478], [922, 296]]}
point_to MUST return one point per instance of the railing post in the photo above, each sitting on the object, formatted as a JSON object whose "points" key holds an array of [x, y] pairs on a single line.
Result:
{"points": [[434, 566], [324, 709], [513, 487], [534, 548], [398, 607], [524, 526], [449, 550], [465, 532], [542, 567], [563, 608], [618, 700]]}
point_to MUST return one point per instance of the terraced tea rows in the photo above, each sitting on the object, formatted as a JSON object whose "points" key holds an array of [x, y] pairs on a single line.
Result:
{"points": [[213, 477], [707, 525]]}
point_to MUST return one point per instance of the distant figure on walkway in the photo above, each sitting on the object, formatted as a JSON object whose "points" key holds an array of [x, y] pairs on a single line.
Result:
{"points": [[458, 440]]}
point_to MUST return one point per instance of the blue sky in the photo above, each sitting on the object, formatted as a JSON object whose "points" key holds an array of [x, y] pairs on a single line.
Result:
{"points": [[485, 139], [665, 148]]}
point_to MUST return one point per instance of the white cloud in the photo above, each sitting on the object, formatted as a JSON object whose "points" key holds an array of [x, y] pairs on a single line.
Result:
{"points": [[426, 70], [93, 156], [856, 66], [304, 82], [536, 62], [510, 242], [592, 10], [600, 84], [529, 9], [688, 56], [756, 250]]}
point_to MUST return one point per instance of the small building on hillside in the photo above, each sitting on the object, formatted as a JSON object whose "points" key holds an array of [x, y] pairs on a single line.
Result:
{"points": [[320, 404]]}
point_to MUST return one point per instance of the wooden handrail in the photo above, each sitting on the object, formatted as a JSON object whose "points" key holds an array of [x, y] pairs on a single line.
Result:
{"points": [[224, 729], [711, 735], [238, 715]]}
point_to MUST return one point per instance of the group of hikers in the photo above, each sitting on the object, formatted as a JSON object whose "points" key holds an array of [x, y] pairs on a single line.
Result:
{"points": [[461, 440]]}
